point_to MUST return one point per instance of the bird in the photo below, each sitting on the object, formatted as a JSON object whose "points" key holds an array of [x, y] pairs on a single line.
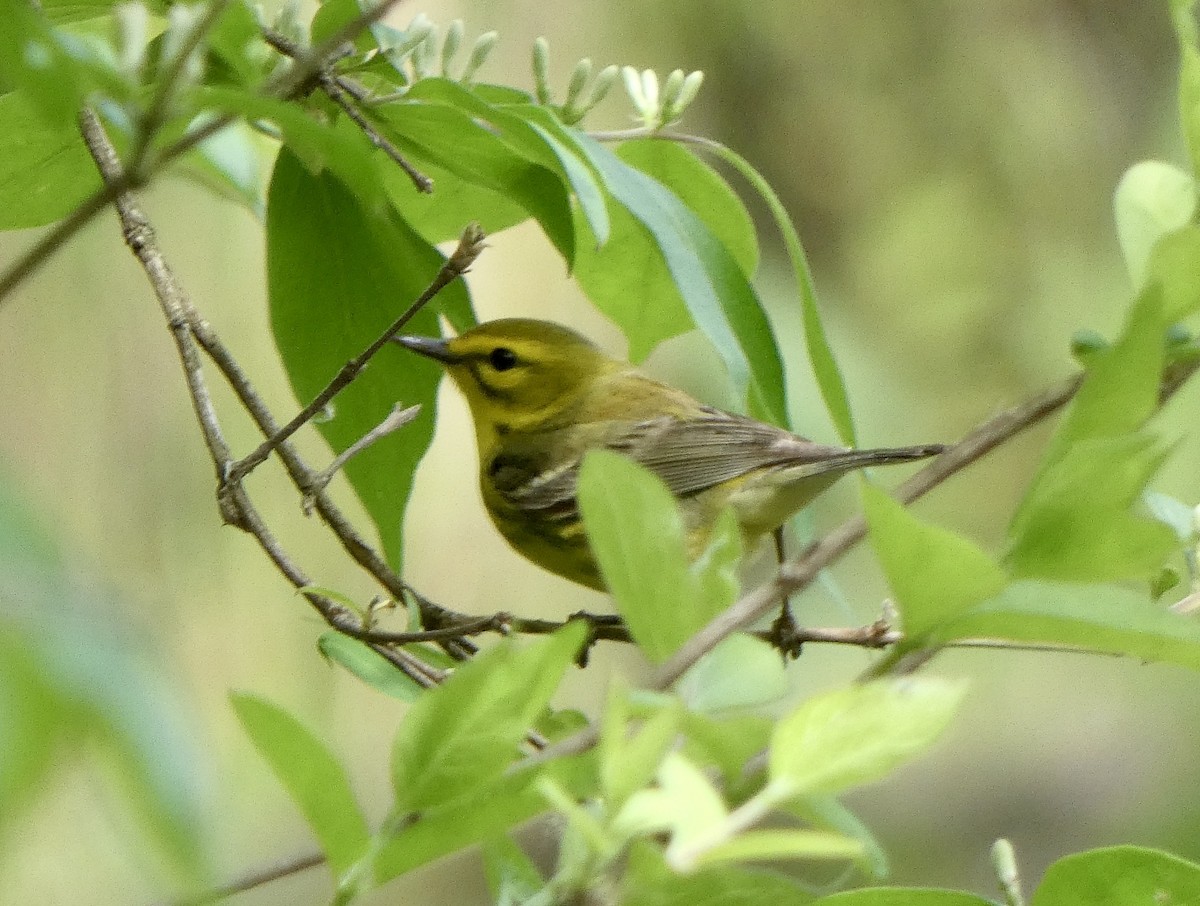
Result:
{"points": [[542, 395]]}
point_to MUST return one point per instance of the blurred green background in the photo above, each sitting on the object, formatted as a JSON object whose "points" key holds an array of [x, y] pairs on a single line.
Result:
{"points": [[949, 164]]}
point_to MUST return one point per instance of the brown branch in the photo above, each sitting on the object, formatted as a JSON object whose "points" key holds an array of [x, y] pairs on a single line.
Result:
{"points": [[236, 507], [800, 572], [253, 879]]}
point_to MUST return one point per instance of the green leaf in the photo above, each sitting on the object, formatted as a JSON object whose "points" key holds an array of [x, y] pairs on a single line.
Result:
{"points": [[236, 41], [37, 59], [532, 132], [1120, 389], [311, 775], [702, 189], [440, 215], [1075, 522], [859, 734], [820, 353], [684, 803], [62, 11], [464, 734], [739, 673], [1094, 617], [1152, 200], [339, 272], [489, 811], [339, 147], [369, 666], [903, 896], [650, 882], [637, 536], [1078, 521], [332, 16], [1117, 876], [512, 877], [935, 574], [230, 163], [683, 275], [629, 760], [1175, 264], [45, 170], [455, 141]]}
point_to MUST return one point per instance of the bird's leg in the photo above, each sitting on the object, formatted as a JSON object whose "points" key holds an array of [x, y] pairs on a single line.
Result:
{"points": [[783, 630]]}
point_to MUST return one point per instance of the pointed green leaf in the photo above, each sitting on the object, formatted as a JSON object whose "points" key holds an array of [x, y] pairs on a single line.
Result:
{"points": [[462, 735], [853, 736], [339, 272], [702, 189], [935, 574], [369, 666], [1120, 390], [1175, 264], [311, 775], [820, 352], [36, 58], [471, 153], [683, 802], [532, 132], [685, 276], [1076, 522], [1079, 522], [1093, 617], [637, 536], [739, 673]]}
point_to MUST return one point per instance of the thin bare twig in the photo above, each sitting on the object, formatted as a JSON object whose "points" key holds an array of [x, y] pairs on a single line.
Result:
{"points": [[344, 92], [236, 507], [469, 247], [396, 419], [253, 879]]}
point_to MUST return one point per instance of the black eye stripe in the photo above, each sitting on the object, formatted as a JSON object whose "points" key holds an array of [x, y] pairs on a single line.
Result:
{"points": [[502, 358]]}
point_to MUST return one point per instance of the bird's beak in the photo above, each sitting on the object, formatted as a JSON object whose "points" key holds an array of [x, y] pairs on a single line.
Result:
{"points": [[430, 347]]}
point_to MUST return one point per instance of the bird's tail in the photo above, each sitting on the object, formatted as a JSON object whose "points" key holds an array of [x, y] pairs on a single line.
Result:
{"points": [[864, 459]]}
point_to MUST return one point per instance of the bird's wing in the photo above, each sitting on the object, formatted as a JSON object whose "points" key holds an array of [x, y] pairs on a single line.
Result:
{"points": [[688, 454], [694, 454]]}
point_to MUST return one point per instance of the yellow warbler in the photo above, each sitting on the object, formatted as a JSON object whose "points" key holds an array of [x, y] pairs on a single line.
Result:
{"points": [[541, 396]]}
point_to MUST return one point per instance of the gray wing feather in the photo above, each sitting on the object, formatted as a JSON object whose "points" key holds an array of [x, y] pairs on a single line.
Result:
{"points": [[689, 455]]}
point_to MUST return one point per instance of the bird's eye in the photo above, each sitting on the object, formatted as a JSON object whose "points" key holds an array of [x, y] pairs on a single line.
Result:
{"points": [[502, 358]]}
